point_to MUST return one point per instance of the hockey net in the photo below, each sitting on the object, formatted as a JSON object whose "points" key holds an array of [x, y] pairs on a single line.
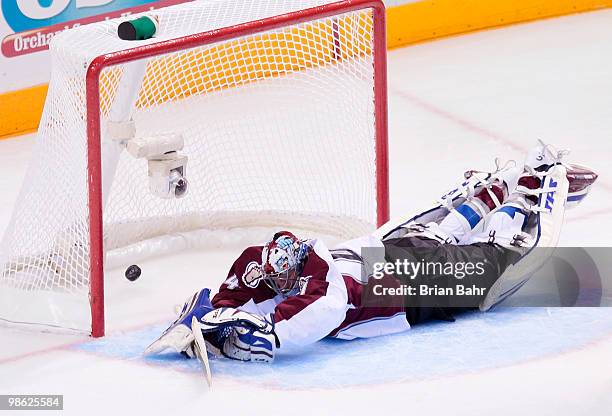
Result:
{"points": [[282, 108]]}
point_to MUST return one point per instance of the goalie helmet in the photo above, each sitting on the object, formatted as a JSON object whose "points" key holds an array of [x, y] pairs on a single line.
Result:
{"points": [[282, 261]]}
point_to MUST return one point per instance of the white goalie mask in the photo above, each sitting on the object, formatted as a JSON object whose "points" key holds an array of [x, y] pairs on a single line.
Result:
{"points": [[282, 260]]}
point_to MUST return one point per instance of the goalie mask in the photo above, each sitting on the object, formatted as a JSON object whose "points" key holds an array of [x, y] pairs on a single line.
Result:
{"points": [[282, 260]]}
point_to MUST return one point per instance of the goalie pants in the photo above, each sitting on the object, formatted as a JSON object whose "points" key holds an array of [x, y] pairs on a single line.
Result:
{"points": [[494, 258]]}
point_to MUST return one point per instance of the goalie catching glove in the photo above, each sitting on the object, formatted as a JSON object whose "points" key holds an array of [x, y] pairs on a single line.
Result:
{"points": [[228, 332]]}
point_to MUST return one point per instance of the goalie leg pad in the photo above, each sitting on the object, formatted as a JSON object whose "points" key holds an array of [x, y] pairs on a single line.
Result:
{"points": [[543, 238]]}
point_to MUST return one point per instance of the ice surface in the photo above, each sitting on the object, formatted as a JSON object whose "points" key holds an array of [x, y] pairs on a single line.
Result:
{"points": [[474, 342], [454, 104]]}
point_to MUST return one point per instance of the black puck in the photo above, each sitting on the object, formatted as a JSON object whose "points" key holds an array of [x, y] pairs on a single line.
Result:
{"points": [[132, 273], [126, 31]]}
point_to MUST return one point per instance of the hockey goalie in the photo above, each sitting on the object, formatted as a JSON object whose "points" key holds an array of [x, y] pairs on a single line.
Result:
{"points": [[294, 291]]}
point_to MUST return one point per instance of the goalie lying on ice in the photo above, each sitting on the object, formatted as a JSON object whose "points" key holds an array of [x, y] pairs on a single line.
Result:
{"points": [[292, 292]]}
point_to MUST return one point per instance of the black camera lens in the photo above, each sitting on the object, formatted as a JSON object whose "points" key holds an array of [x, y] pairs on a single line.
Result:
{"points": [[180, 188]]}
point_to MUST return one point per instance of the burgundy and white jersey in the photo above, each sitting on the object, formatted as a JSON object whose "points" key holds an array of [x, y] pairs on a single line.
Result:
{"points": [[326, 303]]}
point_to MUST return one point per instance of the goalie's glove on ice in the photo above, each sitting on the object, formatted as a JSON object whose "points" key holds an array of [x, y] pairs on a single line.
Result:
{"points": [[178, 336], [239, 335]]}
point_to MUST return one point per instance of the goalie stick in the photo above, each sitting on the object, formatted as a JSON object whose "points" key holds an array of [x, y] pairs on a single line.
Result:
{"points": [[200, 349]]}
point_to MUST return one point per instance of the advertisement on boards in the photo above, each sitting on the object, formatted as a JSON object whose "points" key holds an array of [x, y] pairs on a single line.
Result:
{"points": [[27, 27]]}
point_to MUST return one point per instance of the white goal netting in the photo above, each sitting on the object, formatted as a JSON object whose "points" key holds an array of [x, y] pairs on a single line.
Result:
{"points": [[278, 127]]}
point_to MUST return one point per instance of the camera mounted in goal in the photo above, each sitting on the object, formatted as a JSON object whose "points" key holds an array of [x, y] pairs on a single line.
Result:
{"points": [[167, 167]]}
